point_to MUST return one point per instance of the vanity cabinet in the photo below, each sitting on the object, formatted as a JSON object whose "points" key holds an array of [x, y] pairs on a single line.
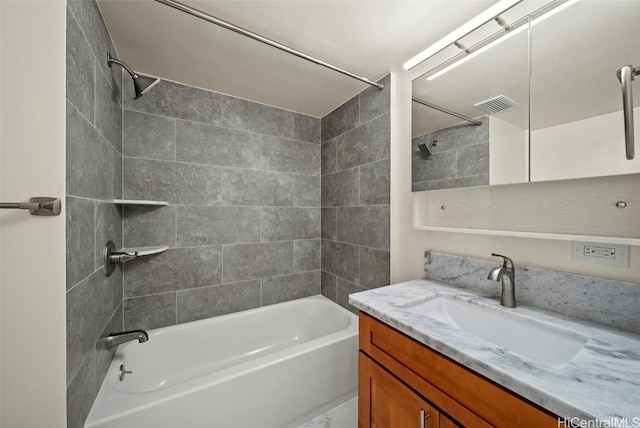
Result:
{"points": [[399, 378]]}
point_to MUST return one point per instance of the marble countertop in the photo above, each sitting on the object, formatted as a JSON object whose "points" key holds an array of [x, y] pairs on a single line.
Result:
{"points": [[601, 382]]}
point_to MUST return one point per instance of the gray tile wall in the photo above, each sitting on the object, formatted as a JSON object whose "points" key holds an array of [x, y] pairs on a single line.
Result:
{"points": [[94, 176], [243, 223], [355, 195], [460, 158]]}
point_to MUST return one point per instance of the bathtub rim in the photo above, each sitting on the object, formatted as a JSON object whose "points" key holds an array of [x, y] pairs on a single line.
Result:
{"points": [[128, 403]]}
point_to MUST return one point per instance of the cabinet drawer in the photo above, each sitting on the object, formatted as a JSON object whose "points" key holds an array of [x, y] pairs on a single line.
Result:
{"points": [[468, 397]]}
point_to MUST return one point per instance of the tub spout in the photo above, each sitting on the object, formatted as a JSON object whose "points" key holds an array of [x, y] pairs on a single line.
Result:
{"points": [[115, 339]]}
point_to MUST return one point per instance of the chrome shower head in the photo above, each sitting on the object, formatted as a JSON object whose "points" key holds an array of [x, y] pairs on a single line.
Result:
{"points": [[141, 83], [426, 150]]}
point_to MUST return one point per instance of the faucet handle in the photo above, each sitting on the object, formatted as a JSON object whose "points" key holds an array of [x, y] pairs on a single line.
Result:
{"points": [[507, 263]]}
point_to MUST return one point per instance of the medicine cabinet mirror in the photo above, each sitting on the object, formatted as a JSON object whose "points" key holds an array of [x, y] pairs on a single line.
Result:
{"points": [[540, 101]]}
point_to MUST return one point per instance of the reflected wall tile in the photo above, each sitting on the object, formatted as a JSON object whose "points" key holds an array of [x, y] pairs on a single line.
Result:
{"points": [[473, 160]]}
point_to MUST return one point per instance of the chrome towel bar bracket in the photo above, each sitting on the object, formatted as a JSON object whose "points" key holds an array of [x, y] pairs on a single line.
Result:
{"points": [[37, 206]]}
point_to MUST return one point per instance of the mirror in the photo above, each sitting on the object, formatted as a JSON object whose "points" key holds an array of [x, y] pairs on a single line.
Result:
{"points": [[538, 102]]}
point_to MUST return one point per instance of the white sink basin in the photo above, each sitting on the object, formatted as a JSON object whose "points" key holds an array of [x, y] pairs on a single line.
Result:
{"points": [[522, 336]]}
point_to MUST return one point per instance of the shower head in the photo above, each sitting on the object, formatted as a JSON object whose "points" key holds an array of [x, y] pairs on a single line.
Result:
{"points": [[426, 150], [141, 83]]}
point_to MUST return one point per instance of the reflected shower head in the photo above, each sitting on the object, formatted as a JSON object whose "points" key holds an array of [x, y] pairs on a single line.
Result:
{"points": [[426, 150], [141, 83]]}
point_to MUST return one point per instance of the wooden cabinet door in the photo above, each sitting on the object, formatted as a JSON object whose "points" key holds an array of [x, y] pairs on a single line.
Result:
{"points": [[386, 402]]}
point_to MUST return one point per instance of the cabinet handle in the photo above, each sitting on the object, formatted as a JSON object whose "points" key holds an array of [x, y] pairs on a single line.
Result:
{"points": [[423, 417]]}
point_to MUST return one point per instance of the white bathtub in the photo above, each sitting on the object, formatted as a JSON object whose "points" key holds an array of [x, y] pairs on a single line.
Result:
{"points": [[275, 366]]}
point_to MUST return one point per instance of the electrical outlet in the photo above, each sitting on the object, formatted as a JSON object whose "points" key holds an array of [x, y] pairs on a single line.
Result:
{"points": [[606, 254]]}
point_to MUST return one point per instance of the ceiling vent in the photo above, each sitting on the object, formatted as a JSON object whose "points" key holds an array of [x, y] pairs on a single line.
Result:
{"points": [[496, 105]]}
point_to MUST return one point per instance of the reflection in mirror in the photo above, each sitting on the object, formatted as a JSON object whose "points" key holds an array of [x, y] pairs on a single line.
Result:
{"points": [[576, 123], [476, 110], [577, 126]]}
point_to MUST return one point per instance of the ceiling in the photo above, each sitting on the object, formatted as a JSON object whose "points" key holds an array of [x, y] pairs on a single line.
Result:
{"points": [[367, 37]]}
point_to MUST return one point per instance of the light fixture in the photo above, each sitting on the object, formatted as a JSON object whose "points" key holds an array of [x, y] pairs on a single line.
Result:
{"points": [[456, 35], [503, 38]]}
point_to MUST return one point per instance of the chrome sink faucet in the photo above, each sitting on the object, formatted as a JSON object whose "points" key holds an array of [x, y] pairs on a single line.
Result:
{"points": [[115, 339], [507, 276]]}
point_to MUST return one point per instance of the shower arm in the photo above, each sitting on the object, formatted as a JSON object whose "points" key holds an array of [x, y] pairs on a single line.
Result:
{"points": [[111, 60], [447, 111]]}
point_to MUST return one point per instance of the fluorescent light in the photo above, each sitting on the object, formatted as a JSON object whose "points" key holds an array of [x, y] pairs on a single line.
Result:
{"points": [[507, 36], [476, 22], [478, 52]]}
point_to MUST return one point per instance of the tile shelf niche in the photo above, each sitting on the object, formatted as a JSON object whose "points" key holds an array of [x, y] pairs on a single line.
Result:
{"points": [[139, 202]]}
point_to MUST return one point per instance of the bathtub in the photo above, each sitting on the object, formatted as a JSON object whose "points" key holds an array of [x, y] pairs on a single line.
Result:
{"points": [[275, 366]]}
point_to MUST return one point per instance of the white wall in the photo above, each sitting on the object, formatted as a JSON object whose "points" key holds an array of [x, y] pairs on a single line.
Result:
{"points": [[506, 143], [32, 249], [408, 245], [584, 148]]}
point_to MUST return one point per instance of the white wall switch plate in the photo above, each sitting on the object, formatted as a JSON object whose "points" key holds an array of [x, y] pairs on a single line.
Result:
{"points": [[606, 254]]}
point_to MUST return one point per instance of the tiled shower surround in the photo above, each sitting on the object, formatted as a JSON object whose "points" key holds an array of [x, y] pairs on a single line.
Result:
{"points": [[94, 176], [247, 203], [355, 195], [460, 158], [243, 222]]}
